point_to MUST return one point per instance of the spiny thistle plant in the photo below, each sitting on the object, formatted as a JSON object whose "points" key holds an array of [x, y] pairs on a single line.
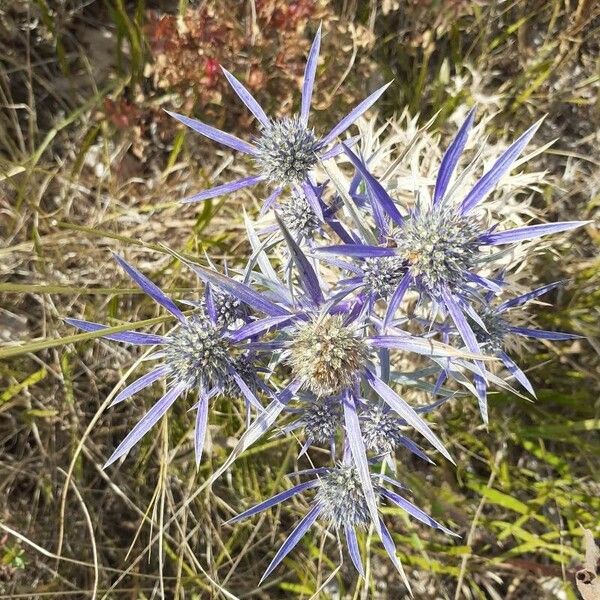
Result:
{"points": [[351, 301]]}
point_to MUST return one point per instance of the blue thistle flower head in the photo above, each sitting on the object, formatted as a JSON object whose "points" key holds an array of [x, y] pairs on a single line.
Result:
{"points": [[340, 503], [286, 149], [201, 353]]}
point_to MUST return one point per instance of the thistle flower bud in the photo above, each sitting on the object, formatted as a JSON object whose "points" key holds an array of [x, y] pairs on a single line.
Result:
{"points": [[299, 217], [380, 429], [321, 419], [382, 275]]}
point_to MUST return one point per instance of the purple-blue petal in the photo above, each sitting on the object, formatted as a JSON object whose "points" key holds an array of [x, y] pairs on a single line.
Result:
{"points": [[396, 299], [215, 134], [141, 383], [247, 98], [147, 422], [309, 77], [292, 540], [379, 194], [390, 548], [530, 232], [353, 549], [517, 372], [257, 327], [524, 298], [150, 288], [239, 290], [306, 274], [128, 337], [404, 410], [274, 500], [414, 511], [226, 188], [489, 180], [353, 115], [359, 455], [200, 427], [541, 334], [451, 158], [358, 250], [313, 200]]}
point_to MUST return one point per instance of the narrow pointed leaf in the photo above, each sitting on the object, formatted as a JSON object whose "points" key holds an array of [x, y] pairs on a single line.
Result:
{"points": [[214, 134], [451, 158], [292, 540], [247, 98], [502, 166], [150, 288]]}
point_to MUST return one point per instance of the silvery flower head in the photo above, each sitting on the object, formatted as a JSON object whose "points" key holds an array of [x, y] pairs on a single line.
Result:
{"points": [[340, 503], [440, 247], [201, 353], [286, 150]]}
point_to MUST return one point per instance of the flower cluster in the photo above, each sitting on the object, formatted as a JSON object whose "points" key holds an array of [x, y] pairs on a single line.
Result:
{"points": [[350, 301]]}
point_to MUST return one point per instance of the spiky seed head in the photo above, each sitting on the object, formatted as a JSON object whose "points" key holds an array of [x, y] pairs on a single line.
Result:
{"points": [[383, 274], [245, 366], [299, 217], [197, 352], [341, 498], [440, 247], [328, 355], [380, 429], [321, 419], [228, 309], [497, 328], [286, 151]]}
